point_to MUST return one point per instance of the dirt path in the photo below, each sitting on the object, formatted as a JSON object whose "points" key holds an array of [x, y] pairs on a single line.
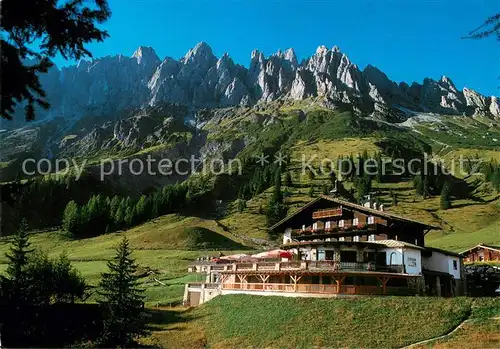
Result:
{"points": [[438, 337]]}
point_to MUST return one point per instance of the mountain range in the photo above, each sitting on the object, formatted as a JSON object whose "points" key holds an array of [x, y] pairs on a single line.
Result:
{"points": [[201, 80]]}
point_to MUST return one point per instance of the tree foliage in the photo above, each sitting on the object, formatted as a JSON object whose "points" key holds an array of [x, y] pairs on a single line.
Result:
{"points": [[491, 26], [276, 207], [445, 199], [34, 279], [102, 214], [16, 284], [122, 300], [60, 28]]}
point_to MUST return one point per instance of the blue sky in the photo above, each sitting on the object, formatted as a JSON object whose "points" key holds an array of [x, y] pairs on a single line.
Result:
{"points": [[408, 40]]}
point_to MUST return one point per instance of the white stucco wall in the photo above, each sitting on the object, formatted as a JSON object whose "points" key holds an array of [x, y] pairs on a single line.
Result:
{"points": [[287, 236], [394, 256], [441, 262], [412, 261]]}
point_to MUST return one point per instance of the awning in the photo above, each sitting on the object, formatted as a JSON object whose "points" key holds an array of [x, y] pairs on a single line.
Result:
{"points": [[273, 254]]}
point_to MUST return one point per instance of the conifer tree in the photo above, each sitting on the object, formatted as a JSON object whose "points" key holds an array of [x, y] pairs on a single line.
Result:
{"points": [[288, 179], [17, 282], [113, 206], [130, 216], [71, 217], [122, 300], [141, 209], [363, 186], [119, 218], [445, 200], [276, 208]]}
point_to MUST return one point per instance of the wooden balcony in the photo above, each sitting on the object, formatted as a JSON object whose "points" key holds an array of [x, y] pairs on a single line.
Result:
{"points": [[327, 213], [319, 288], [347, 228], [315, 266]]}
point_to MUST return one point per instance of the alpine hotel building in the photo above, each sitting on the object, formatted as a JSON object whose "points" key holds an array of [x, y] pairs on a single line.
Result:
{"points": [[340, 248]]}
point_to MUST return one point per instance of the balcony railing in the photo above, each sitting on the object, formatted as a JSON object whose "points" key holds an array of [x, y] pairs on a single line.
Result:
{"points": [[336, 212], [200, 285], [319, 288], [332, 230], [316, 265]]}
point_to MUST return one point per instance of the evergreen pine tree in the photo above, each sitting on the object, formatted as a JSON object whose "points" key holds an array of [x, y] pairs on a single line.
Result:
{"points": [[288, 179], [71, 219], [122, 300], [425, 187], [17, 283], [276, 208], [130, 215], [141, 208], [119, 218], [363, 186], [113, 206], [445, 200]]}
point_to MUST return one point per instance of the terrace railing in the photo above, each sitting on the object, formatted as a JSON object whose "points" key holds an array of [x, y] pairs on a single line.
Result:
{"points": [[326, 213], [316, 265], [319, 288]]}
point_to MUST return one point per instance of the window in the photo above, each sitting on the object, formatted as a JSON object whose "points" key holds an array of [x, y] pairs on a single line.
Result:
{"points": [[371, 220], [356, 239], [303, 227], [327, 225], [341, 223], [341, 238], [321, 255], [315, 226], [355, 221], [455, 265], [371, 237]]}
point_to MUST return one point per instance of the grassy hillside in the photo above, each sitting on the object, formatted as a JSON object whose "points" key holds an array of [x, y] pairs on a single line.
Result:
{"points": [[163, 246], [280, 322]]}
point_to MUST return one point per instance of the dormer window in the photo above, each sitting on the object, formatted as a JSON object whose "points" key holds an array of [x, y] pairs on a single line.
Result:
{"points": [[371, 220]]}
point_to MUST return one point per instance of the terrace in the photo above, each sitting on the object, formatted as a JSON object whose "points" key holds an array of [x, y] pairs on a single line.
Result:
{"points": [[309, 266]]}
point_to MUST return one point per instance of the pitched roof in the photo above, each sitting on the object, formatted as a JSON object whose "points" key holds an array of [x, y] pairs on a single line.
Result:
{"points": [[449, 253], [355, 206], [489, 247], [397, 244]]}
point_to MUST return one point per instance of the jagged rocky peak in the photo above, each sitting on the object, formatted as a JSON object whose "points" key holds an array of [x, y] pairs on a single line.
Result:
{"points": [[201, 52], [447, 83], [199, 79], [291, 56], [321, 50], [146, 55]]}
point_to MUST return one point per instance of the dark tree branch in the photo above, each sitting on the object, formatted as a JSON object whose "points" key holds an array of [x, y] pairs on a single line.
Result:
{"points": [[61, 28], [492, 25]]}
